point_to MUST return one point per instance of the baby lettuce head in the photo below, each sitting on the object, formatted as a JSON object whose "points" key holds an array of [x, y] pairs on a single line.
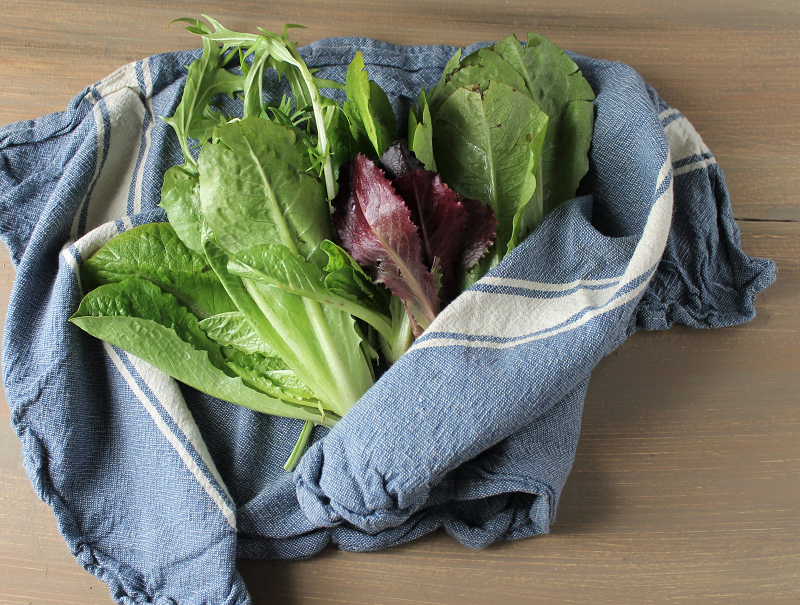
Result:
{"points": [[303, 238]]}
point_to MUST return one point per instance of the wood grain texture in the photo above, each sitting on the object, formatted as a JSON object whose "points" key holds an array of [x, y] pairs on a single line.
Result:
{"points": [[685, 489], [730, 66], [686, 486]]}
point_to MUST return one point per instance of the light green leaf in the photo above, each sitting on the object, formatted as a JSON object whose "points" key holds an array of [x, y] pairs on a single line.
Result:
{"points": [[277, 266], [137, 317], [206, 78], [343, 146], [270, 375], [420, 133], [401, 336], [180, 197], [318, 343], [255, 189], [232, 329], [154, 253], [345, 277], [372, 120]]}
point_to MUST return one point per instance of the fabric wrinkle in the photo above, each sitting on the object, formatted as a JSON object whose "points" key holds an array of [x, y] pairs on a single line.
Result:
{"points": [[474, 430]]}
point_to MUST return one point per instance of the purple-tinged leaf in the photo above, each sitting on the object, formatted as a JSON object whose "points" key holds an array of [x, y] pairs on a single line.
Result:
{"points": [[374, 225], [398, 160], [479, 233], [437, 211]]}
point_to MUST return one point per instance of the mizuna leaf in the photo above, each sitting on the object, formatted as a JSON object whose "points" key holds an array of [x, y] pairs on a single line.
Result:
{"points": [[375, 227], [206, 79]]}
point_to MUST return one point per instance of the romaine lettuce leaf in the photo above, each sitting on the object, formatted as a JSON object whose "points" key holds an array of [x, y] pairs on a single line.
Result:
{"points": [[155, 253], [485, 144], [255, 188], [138, 317], [557, 86]]}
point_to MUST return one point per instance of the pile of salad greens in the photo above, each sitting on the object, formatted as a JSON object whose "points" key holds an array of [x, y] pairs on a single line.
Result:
{"points": [[307, 244]]}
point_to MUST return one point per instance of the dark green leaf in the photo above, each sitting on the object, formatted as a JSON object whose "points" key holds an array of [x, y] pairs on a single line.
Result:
{"points": [[555, 83], [483, 144]]}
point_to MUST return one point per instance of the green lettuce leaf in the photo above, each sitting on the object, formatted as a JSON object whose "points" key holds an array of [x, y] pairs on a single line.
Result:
{"points": [[180, 198], [275, 265], [372, 120], [138, 317], [271, 376], [345, 277], [557, 86], [420, 133], [255, 189], [485, 144], [155, 253], [232, 329], [318, 343]]}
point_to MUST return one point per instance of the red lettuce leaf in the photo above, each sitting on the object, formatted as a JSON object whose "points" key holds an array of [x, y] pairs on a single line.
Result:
{"points": [[437, 211], [374, 225], [479, 233], [398, 159]]}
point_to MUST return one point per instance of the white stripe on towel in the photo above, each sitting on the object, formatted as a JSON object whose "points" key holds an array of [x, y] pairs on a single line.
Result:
{"points": [[190, 463], [526, 318], [147, 93]]}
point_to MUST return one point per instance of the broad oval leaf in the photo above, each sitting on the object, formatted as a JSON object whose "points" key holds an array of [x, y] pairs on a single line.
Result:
{"points": [[155, 253], [557, 86], [180, 197], [255, 189], [482, 142]]}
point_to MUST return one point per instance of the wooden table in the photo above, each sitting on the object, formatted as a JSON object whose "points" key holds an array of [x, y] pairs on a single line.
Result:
{"points": [[686, 486]]}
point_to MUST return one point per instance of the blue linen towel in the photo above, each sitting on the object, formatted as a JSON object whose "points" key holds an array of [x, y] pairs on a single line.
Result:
{"points": [[158, 488]]}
